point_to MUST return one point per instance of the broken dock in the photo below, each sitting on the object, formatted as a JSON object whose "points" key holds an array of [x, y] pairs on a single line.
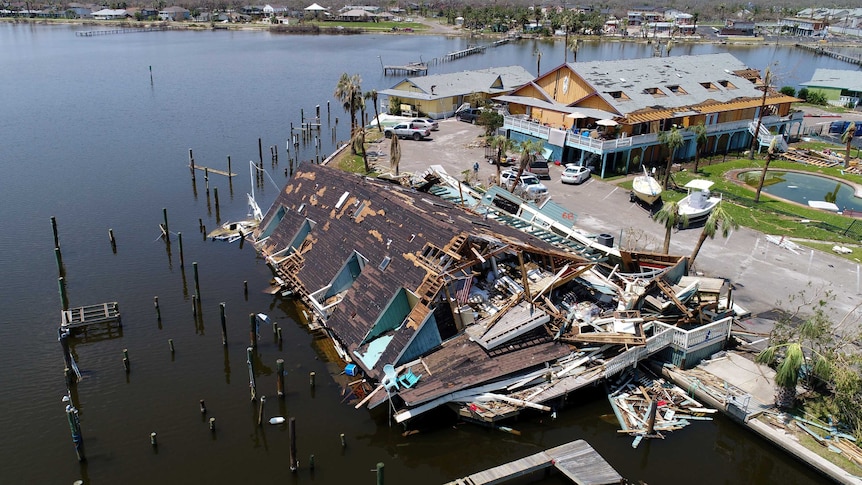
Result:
{"points": [[81, 317], [577, 461]]}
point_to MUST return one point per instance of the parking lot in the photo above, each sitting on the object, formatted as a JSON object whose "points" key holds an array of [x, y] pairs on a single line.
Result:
{"points": [[762, 273]]}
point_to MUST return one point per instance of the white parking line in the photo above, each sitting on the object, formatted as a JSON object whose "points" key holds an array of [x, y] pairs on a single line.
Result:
{"points": [[611, 192]]}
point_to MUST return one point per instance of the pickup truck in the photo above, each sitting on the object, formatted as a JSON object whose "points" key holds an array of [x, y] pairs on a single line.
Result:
{"points": [[403, 130]]}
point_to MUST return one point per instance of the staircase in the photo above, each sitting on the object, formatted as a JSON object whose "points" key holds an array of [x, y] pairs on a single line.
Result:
{"points": [[764, 137]]}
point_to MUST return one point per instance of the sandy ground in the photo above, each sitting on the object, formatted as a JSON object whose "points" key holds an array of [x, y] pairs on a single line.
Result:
{"points": [[762, 273]]}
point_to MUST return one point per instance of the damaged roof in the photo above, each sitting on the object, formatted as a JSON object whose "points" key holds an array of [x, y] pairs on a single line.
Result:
{"points": [[329, 216]]}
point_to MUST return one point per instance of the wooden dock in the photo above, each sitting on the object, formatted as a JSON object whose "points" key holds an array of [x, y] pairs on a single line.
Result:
{"points": [[464, 53], [818, 49], [213, 170], [92, 33], [577, 461], [81, 317], [412, 68]]}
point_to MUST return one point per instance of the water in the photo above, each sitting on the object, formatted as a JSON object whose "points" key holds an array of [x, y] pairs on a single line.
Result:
{"points": [[802, 187], [86, 137]]}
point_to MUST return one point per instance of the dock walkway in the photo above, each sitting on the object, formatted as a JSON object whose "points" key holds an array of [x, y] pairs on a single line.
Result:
{"points": [[91, 315], [578, 461]]}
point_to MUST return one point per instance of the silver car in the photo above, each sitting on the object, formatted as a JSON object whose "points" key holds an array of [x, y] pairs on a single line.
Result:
{"points": [[574, 174], [426, 123]]}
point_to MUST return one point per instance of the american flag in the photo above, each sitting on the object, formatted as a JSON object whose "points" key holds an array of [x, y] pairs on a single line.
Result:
{"points": [[464, 293]]}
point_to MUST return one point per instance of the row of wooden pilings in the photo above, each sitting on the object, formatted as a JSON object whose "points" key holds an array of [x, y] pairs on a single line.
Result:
{"points": [[72, 412]]}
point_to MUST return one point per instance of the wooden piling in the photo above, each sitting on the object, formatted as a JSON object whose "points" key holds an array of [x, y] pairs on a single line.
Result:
{"points": [[197, 282], [343, 441], [260, 411], [171, 344], [192, 163], [59, 257], [203, 406], [204, 231], [380, 473], [274, 329], [126, 363], [153, 440], [294, 464], [158, 310], [327, 111], [279, 371], [212, 425], [251, 383], [260, 152], [223, 324], [215, 195], [64, 298], [311, 462], [182, 259], [113, 241], [167, 231], [311, 379], [279, 335], [245, 289], [252, 330], [200, 224], [75, 426], [195, 306], [54, 230]]}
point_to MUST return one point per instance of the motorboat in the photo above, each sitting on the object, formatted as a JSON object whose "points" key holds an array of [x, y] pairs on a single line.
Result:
{"points": [[646, 188], [700, 201]]}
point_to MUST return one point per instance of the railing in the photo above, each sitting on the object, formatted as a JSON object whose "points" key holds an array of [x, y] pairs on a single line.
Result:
{"points": [[688, 339], [636, 354]]}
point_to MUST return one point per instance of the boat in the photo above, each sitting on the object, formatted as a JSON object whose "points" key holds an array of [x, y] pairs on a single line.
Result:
{"points": [[646, 188], [700, 201]]}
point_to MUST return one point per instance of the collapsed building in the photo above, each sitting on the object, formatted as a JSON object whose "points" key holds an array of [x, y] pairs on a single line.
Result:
{"points": [[480, 301]]}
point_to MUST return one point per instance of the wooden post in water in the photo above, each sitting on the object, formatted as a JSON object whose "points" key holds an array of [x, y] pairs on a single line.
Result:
{"points": [[126, 363], [223, 324], [197, 282], [311, 379], [182, 259], [195, 307], [56, 234], [113, 241], [260, 411], [171, 344], [218, 211], [279, 335], [245, 288], [251, 384], [59, 257], [212, 425], [343, 441], [167, 231], [158, 310], [279, 371], [229, 172], [203, 407], [380, 473], [153, 439], [200, 225], [64, 299], [260, 152], [274, 329], [294, 464], [327, 112], [75, 426], [68, 373], [252, 330], [192, 164]]}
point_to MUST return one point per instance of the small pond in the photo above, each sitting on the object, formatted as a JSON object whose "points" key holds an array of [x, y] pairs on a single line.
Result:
{"points": [[802, 187]]}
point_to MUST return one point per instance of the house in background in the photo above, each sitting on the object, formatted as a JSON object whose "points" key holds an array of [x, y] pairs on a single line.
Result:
{"points": [[734, 27], [439, 95], [110, 14], [840, 87], [802, 27], [174, 13], [608, 114]]}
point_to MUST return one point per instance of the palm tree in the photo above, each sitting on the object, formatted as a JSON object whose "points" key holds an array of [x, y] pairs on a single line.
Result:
{"points": [[502, 145], [719, 218], [787, 372], [700, 140], [672, 139], [847, 138], [769, 153], [529, 149], [767, 80], [373, 96], [349, 92], [669, 217]]}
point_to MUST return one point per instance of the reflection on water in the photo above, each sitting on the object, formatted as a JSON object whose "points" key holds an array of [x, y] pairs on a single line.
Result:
{"points": [[803, 187]]}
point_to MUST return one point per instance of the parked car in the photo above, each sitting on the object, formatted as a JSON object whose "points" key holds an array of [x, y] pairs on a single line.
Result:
{"points": [[426, 123], [470, 115], [539, 167], [528, 187], [403, 130], [575, 174]]}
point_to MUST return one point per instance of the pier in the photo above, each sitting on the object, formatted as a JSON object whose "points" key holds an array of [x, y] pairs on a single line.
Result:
{"points": [[81, 317], [464, 53], [412, 68], [92, 33], [577, 461], [818, 49]]}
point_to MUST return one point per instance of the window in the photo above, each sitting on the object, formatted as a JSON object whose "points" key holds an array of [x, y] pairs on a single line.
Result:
{"points": [[656, 92], [676, 89], [727, 84], [618, 95]]}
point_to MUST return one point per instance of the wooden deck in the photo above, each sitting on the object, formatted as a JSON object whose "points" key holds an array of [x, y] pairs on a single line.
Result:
{"points": [[412, 68], [214, 170], [91, 315], [577, 461]]}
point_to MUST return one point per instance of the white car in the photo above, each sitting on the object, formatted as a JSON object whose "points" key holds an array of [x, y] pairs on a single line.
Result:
{"points": [[529, 184], [575, 174], [426, 123]]}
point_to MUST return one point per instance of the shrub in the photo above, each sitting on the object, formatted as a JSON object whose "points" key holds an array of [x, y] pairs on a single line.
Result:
{"points": [[816, 98], [802, 94], [788, 91]]}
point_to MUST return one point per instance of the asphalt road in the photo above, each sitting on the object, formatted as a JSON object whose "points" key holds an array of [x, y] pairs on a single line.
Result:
{"points": [[762, 273]]}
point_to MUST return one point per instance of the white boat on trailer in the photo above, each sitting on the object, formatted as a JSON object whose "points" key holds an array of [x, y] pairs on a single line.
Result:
{"points": [[646, 188], [700, 201]]}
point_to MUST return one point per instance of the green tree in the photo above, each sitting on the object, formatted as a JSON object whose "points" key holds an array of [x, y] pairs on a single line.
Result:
{"points": [[700, 140], [349, 92], [502, 145], [672, 139], [847, 138], [372, 95], [788, 90], [719, 220], [529, 149], [803, 94], [491, 120], [669, 217]]}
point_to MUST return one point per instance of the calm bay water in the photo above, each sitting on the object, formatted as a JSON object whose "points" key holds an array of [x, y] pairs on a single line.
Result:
{"points": [[86, 137]]}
